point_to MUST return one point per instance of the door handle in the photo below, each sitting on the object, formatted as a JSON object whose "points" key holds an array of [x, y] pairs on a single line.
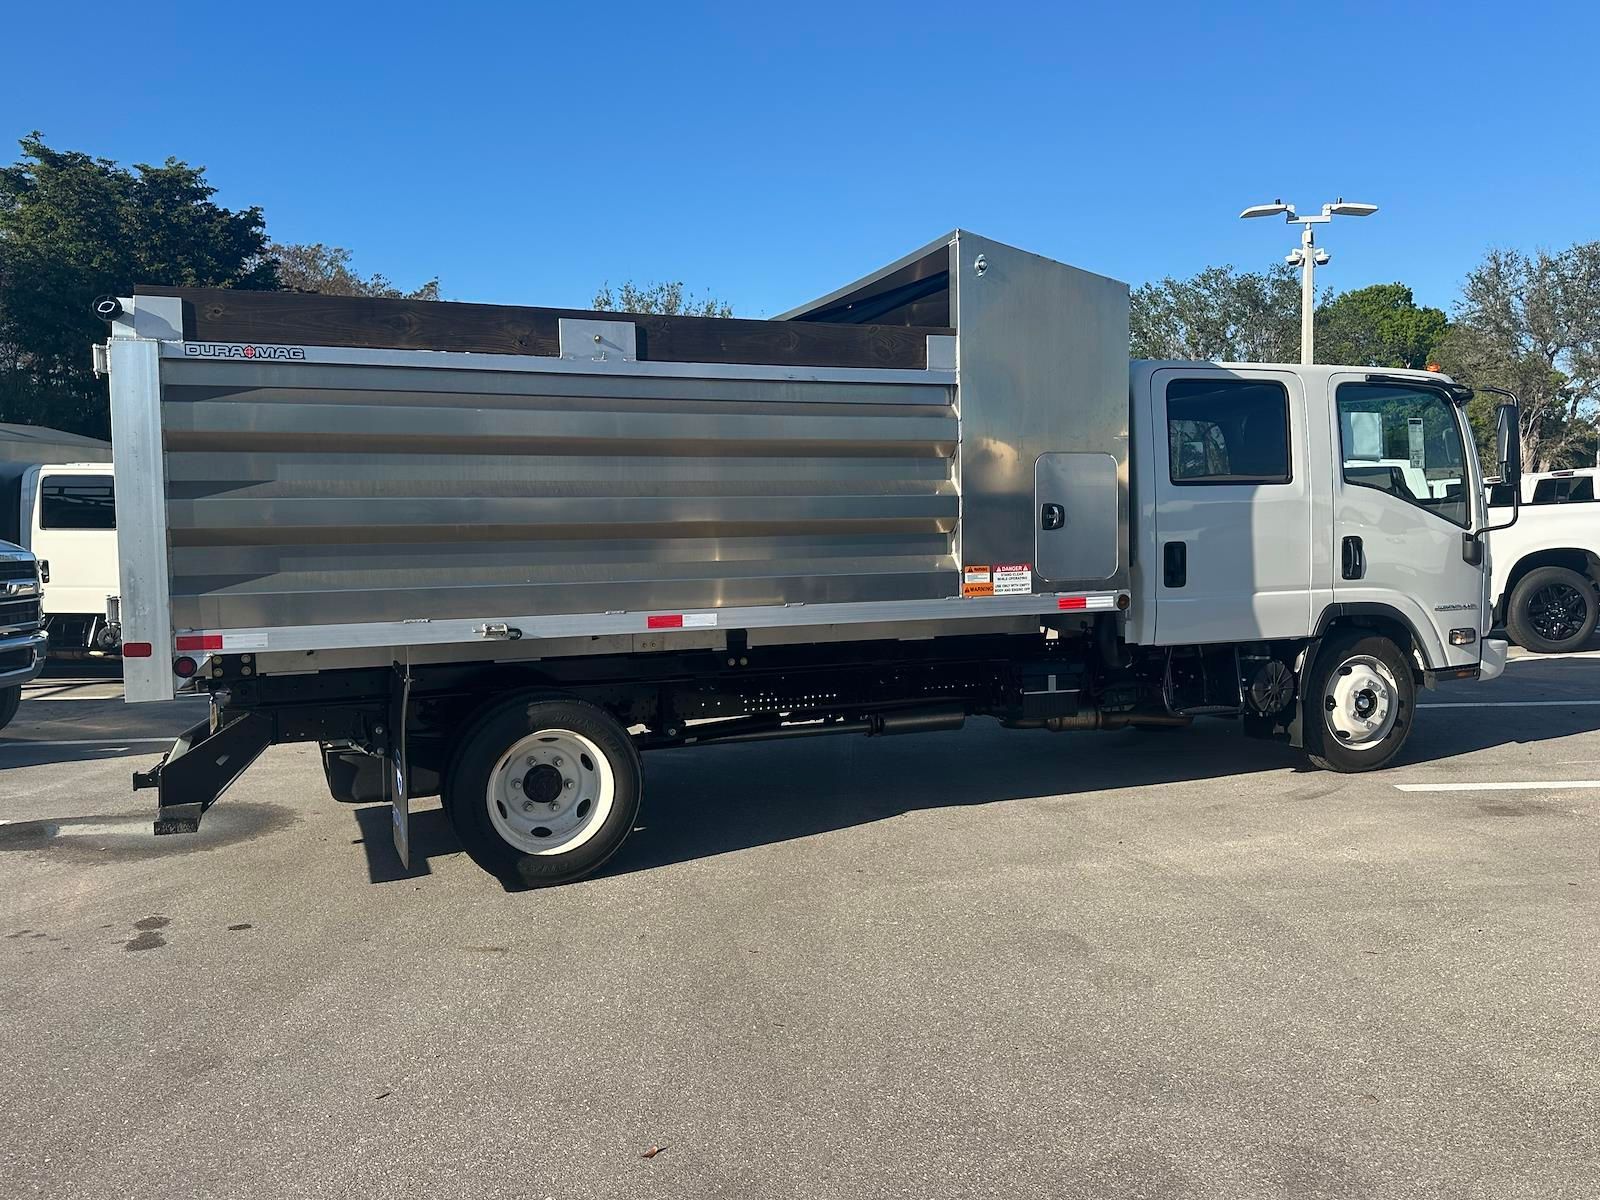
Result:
{"points": [[1052, 516], [1352, 559], [1175, 564]]}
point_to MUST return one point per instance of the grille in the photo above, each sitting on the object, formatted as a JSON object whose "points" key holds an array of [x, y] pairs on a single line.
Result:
{"points": [[19, 612], [19, 568], [16, 660]]}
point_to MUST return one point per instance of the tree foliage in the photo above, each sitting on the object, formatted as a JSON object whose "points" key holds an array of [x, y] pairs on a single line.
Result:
{"points": [[1219, 315], [667, 299], [1378, 326], [1531, 324], [73, 227], [315, 267]]}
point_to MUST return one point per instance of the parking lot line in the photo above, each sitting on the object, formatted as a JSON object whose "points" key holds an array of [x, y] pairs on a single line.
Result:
{"points": [[1512, 704], [22, 744], [1535, 785]]}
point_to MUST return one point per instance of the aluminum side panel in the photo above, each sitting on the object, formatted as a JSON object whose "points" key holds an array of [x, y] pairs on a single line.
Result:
{"points": [[315, 493]]}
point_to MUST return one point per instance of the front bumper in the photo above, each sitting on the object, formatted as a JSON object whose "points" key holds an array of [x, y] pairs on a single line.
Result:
{"points": [[1493, 662], [22, 657]]}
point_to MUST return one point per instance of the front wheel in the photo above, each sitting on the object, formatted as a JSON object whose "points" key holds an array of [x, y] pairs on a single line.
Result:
{"points": [[10, 701], [1552, 610], [1359, 702], [543, 790]]}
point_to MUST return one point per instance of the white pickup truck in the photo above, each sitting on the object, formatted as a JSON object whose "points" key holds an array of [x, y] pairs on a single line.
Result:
{"points": [[22, 640], [1546, 566]]}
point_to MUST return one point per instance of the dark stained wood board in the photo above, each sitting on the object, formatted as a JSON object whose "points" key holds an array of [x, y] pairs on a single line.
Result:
{"points": [[300, 319]]}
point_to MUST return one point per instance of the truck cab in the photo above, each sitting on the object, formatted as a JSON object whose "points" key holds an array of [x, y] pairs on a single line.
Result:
{"points": [[1277, 502], [65, 513]]}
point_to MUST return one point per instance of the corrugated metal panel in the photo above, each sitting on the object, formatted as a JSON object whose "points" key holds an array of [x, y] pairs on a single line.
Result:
{"points": [[313, 494]]}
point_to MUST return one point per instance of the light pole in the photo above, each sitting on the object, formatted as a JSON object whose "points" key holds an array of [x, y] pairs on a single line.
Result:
{"points": [[1309, 257]]}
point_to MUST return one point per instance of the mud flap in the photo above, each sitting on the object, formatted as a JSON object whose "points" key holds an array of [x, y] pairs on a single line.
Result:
{"points": [[201, 765], [1297, 728], [399, 799]]}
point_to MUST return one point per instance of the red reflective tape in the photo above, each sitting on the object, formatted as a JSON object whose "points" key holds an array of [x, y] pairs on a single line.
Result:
{"points": [[1073, 602], [200, 641], [674, 621], [137, 650]]}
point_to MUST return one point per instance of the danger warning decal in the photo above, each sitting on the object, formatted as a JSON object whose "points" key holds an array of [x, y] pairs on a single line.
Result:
{"points": [[1013, 579], [977, 581], [1005, 579]]}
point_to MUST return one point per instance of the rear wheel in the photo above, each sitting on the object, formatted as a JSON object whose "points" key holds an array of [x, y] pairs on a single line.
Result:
{"points": [[10, 700], [1359, 701], [1552, 609], [542, 791]]}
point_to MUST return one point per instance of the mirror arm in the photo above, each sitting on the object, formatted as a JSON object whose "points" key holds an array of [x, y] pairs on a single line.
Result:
{"points": [[1516, 489]]}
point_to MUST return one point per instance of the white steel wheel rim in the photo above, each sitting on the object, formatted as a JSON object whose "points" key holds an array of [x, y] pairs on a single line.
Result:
{"points": [[1361, 703], [551, 792]]}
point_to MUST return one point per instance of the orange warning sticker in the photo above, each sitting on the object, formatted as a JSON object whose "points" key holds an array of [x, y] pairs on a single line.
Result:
{"points": [[977, 581]]}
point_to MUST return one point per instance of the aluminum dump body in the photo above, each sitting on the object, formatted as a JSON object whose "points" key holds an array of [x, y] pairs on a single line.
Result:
{"points": [[300, 473]]}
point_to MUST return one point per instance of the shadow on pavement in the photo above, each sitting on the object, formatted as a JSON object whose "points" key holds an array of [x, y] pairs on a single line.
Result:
{"points": [[721, 799], [728, 798], [431, 837]]}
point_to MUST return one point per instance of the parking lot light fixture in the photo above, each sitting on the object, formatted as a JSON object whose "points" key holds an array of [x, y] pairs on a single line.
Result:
{"points": [[1309, 256]]}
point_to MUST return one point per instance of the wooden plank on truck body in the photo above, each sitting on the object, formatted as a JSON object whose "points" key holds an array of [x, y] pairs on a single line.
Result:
{"points": [[367, 322]]}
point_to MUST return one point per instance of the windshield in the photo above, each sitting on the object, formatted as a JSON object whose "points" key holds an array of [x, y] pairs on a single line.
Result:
{"points": [[1406, 441]]}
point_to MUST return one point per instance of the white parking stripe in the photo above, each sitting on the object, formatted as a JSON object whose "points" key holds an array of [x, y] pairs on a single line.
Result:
{"points": [[1537, 785], [105, 741], [1530, 658], [1513, 704]]}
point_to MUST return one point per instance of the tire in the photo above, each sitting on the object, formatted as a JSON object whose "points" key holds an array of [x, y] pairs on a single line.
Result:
{"points": [[1552, 610], [10, 701], [1359, 701], [543, 790]]}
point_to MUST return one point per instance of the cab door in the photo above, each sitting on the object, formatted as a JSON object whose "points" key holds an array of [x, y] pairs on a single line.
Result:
{"points": [[1404, 507], [1232, 488]]}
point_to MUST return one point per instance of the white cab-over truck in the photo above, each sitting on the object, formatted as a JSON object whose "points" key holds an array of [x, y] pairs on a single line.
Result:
{"points": [[1547, 564], [65, 513], [496, 553]]}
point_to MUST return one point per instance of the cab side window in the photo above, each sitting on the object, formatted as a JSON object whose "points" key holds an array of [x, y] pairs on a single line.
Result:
{"points": [[1407, 442], [1228, 431]]}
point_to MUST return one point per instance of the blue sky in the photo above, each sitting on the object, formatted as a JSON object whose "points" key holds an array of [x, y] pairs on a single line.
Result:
{"points": [[768, 153]]}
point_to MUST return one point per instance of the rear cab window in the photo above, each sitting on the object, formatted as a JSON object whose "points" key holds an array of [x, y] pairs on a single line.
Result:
{"points": [[1228, 431], [77, 502]]}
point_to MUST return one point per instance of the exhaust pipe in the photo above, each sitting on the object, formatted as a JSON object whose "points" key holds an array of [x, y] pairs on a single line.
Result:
{"points": [[764, 729], [1097, 718]]}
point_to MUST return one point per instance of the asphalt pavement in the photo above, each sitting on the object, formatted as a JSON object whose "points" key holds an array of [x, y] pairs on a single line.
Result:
{"points": [[974, 964]]}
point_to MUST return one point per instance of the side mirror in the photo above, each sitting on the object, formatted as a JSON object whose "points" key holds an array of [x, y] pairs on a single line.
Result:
{"points": [[1508, 446]]}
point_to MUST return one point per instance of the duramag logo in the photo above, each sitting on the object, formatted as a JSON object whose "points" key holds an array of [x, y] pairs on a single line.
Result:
{"points": [[244, 350]]}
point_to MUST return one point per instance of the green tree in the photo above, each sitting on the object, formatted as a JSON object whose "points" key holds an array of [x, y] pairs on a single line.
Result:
{"points": [[1531, 324], [73, 227], [1378, 326], [1219, 315], [315, 267], [667, 299]]}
